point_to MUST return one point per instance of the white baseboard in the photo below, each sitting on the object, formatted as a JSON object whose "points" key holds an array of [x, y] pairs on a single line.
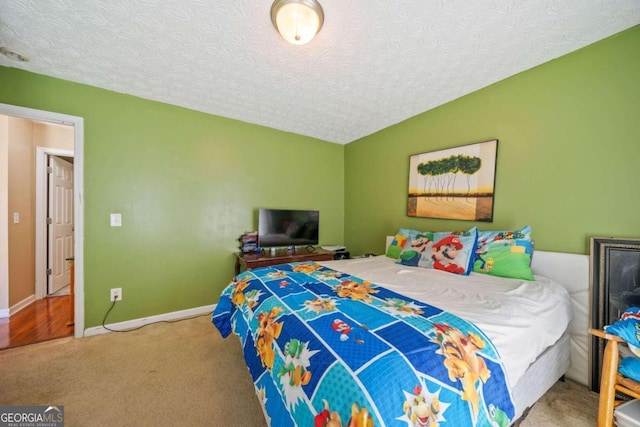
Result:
{"points": [[135, 323], [4, 313], [20, 305]]}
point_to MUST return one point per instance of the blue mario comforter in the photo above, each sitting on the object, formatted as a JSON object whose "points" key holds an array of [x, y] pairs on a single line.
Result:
{"points": [[325, 346]]}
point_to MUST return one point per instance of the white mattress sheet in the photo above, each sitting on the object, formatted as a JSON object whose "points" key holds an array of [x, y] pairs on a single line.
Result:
{"points": [[522, 318]]}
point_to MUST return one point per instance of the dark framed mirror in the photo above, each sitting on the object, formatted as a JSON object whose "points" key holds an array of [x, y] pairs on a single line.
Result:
{"points": [[615, 286]]}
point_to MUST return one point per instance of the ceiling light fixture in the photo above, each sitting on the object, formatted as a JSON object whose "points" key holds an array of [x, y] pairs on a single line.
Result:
{"points": [[298, 21], [13, 55]]}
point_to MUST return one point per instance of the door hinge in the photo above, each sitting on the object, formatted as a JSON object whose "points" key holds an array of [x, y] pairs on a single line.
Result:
{"points": [[49, 220], [49, 272], [49, 169]]}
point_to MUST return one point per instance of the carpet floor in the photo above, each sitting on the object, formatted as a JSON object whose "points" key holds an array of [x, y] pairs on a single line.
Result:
{"points": [[181, 373]]}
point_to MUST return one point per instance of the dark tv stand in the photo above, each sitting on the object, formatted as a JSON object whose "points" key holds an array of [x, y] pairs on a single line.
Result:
{"points": [[255, 260]]}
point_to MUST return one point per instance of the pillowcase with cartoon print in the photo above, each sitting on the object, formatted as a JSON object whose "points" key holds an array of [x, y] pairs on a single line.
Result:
{"points": [[449, 251]]}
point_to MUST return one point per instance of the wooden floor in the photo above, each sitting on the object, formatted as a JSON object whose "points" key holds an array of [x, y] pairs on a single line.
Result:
{"points": [[43, 320]]}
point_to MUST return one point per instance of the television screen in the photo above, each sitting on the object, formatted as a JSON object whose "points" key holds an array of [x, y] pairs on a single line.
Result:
{"points": [[286, 227]]}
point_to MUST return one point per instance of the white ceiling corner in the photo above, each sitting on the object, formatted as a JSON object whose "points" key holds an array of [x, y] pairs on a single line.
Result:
{"points": [[373, 64]]}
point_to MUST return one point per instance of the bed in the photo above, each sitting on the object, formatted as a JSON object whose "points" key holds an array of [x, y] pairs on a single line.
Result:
{"points": [[422, 370]]}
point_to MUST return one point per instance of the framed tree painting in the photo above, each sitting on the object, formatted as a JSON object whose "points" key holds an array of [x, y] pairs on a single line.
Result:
{"points": [[456, 183]]}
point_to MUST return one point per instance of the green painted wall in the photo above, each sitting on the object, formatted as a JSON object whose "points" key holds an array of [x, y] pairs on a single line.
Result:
{"points": [[187, 185], [568, 156]]}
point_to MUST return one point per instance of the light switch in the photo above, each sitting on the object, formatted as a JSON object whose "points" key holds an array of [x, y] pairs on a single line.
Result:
{"points": [[16, 217], [116, 220]]}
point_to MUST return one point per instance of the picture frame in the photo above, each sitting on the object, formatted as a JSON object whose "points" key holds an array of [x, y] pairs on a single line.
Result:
{"points": [[454, 183], [614, 272]]}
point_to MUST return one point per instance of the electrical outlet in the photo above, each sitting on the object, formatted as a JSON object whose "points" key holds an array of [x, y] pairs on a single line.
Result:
{"points": [[116, 294]]}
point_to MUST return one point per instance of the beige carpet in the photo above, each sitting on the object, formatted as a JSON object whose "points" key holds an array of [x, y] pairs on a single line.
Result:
{"points": [[180, 373]]}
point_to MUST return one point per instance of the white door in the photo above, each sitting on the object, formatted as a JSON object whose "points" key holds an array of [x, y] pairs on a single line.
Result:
{"points": [[60, 223]]}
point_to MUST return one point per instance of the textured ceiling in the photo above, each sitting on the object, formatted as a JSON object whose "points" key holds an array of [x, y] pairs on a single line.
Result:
{"points": [[374, 63]]}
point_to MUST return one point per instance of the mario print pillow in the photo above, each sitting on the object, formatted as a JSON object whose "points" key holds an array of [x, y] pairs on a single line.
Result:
{"points": [[504, 253], [447, 251]]}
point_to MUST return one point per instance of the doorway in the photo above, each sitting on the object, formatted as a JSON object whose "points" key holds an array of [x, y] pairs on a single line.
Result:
{"points": [[7, 306], [54, 219]]}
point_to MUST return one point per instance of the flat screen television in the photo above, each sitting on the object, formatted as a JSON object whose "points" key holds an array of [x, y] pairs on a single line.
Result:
{"points": [[287, 227]]}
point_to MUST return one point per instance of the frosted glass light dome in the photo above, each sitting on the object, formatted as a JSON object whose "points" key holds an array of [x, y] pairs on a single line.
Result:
{"points": [[298, 21]]}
